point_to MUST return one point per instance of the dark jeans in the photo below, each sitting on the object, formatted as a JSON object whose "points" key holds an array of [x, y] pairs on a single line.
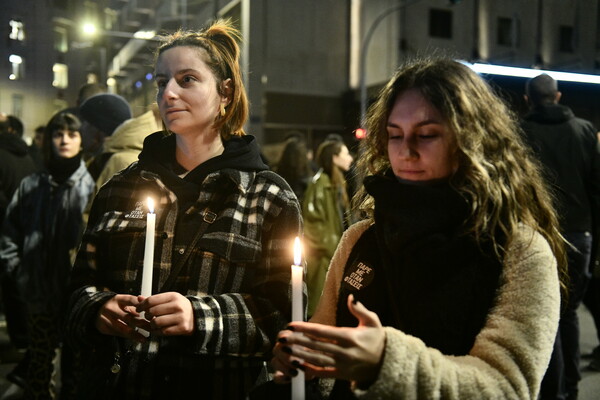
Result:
{"points": [[565, 367], [592, 302], [15, 310]]}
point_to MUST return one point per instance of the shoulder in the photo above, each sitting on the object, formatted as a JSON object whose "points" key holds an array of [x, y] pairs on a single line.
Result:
{"points": [[270, 182], [528, 242], [122, 184], [355, 231], [34, 180], [586, 126]]}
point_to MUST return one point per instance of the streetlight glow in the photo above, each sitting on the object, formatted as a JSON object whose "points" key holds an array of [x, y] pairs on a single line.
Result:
{"points": [[146, 35], [89, 29], [491, 69]]}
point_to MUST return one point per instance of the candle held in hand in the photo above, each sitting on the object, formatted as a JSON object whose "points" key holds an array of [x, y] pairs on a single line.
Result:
{"points": [[297, 279], [297, 312], [149, 250]]}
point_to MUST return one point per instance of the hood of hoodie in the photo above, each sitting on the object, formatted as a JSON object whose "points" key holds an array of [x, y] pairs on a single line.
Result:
{"points": [[130, 134], [158, 156], [550, 114], [13, 144]]}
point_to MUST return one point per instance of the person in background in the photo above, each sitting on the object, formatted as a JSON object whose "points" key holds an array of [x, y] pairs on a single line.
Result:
{"points": [[35, 148], [450, 289], [324, 209], [123, 147], [40, 235], [224, 233], [88, 90], [101, 115], [15, 126], [294, 165], [85, 91], [15, 164], [567, 146]]}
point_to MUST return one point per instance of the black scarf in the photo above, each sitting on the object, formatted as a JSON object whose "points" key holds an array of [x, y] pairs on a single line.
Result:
{"points": [[61, 169], [418, 269]]}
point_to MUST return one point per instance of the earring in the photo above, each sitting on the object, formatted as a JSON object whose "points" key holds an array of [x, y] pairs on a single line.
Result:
{"points": [[222, 110]]}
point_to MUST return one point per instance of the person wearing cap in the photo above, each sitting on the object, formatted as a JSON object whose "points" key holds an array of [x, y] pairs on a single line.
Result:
{"points": [[567, 146], [101, 114]]}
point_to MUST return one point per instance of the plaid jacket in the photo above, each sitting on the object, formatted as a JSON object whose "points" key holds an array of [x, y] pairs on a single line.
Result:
{"points": [[236, 277]]}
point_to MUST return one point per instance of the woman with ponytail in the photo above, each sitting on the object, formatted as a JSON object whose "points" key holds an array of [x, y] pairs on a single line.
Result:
{"points": [[225, 226]]}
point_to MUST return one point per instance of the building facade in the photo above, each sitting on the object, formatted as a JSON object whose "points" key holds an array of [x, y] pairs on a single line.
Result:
{"points": [[305, 62]]}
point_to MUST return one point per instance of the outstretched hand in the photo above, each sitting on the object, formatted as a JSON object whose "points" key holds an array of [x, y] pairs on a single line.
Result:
{"points": [[352, 354]]}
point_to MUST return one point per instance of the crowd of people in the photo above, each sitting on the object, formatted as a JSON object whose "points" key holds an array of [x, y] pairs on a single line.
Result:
{"points": [[447, 262]]}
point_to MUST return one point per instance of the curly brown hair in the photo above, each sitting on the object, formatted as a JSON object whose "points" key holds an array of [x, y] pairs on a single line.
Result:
{"points": [[496, 174], [220, 44]]}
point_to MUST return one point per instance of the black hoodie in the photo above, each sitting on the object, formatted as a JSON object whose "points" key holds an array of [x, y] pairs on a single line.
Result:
{"points": [[158, 156], [15, 164]]}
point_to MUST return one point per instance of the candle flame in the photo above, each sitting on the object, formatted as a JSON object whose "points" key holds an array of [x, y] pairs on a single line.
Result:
{"points": [[297, 251], [150, 205]]}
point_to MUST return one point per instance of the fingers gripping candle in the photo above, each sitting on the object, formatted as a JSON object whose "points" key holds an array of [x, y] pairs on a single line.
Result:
{"points": [[297, 312]]}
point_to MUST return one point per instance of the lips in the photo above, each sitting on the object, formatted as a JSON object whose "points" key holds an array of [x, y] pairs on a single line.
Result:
{"points": [[170, 111]]}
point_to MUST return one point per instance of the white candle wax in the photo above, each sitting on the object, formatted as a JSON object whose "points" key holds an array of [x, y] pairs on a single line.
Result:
{"points": [[149, 250], [146, 289], [297, 312]]}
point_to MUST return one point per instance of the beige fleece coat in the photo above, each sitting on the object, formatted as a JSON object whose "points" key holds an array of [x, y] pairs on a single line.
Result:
{"points": [[126, 144], [511, 353]]}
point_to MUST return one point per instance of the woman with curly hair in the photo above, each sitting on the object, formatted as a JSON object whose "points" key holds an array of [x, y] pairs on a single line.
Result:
{"points": [[451, 288], [225, 225]]}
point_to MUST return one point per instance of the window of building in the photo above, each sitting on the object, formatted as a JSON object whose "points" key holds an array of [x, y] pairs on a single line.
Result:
{"points": [[61, 76], [17, 105], [440, 23], [566, 39], [61, 39], [17, 32], [508, 32], [18, 69]]}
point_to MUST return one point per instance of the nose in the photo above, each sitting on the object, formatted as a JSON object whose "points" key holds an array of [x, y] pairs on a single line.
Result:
{"points": [[408, 149], [170, 91]]}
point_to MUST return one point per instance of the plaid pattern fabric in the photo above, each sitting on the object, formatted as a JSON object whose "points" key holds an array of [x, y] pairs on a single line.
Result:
{"points": [[236, 277]]}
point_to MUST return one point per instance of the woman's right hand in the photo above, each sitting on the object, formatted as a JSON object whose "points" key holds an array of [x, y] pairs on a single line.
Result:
{"points": [[118, 317], [352, 354]]}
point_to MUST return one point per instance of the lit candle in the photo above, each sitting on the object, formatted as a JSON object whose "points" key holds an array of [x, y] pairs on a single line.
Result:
{"points": [[297, 312], [149, 250], [148, 256]]}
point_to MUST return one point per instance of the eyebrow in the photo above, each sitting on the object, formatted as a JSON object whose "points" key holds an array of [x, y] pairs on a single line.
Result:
{"points": [[180, 72], [421, 123]]}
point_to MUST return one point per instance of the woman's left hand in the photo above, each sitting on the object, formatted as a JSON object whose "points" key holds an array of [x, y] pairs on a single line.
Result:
{"points": [[169, 313], [352, 354]]}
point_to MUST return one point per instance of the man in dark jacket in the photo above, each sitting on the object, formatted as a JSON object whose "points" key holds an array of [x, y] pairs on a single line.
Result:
{"points": [[15, 164], [567, 146]]}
